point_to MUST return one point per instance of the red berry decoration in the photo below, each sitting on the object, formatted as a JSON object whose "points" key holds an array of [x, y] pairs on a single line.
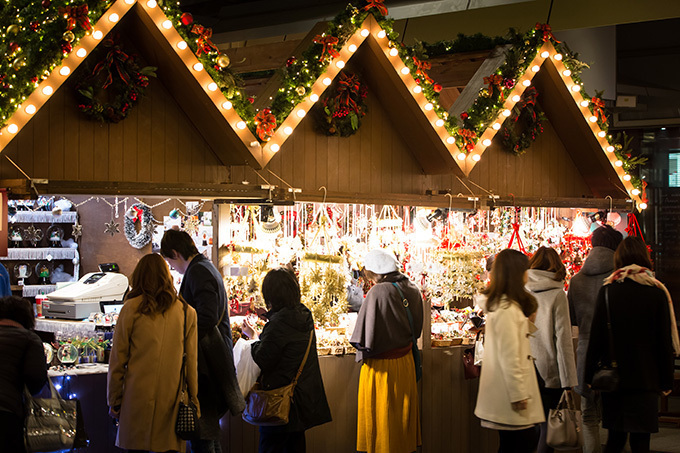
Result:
{"points": [[464, 116], [251, 100], [13, 47], [66, 48], [290, 62], [34, 26], [437, 87], [187, 19]]}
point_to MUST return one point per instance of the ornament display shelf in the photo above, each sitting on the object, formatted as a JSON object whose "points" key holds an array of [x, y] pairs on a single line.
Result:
{"points": [[40, 253], [34, 290], [43, 217]]}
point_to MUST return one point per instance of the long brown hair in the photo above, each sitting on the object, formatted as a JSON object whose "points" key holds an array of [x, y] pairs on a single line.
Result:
{"points": [[507, 278], [547, 259], [151, 279], [632, 250]]}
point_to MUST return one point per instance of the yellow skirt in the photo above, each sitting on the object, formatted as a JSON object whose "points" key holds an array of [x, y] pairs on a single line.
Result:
{"points": [[388, 412]]}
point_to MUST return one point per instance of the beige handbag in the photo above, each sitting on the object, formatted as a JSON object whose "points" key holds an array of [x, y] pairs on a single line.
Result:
{"points": [[565, 428]]}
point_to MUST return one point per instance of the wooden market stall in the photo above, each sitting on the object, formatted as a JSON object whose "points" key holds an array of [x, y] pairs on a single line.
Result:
{"points": [[185, 140]]}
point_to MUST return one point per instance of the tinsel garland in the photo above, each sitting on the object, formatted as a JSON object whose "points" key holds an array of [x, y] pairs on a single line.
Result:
{"points": [[142, 213], [343, 106]]}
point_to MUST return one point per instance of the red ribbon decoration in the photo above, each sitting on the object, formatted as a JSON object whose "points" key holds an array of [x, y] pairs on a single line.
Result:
{"points": [[115, 59], [528, 99], [515, 234], [378, 4], [348, 88], [468, 137], [203, 42], [138, 213], [495, 80], [598, 105], [421, 67], [633, 228], [266, 123], [328, 43], [76, 15], [547, 32]]}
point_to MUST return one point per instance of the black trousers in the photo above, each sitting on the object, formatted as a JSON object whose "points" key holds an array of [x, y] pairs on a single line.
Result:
{"points": [[11, 432], [281, 442], [521, 441]]}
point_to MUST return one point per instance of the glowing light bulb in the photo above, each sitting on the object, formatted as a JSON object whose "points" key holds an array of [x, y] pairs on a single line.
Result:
{"points": [[626, 177], [287, 130], [327, 81], [593, 119], [182, 45], [461, 156], [476, 157], [575, 88], [450, 140], [486, 142], [439, 122], [151, 3], [381, 34], [526, 83], [81, 52], [254, 143], [12, 128], [97, 35], [47, 90], [405, 70], [212, 86], [167, 24], [198, 66], [545, 54], [241, 125], [535, 68], [601, 134], [417, 89], [506, 112], [618, 163], [314, 97], [515, 98], [129, 2], [30, 109], [226, 105], [65, 70], [557, 56], [394, 52], [635, 191], [429, 106], [114, 18], [301, 113], [643, 205], [365, 32], [340, 64], [610, 149], [275, 148], [352, 48], [585, 103], [496, 126], [566, 73]]}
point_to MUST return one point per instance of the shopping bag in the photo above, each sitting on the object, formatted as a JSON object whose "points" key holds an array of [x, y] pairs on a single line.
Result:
{"points": [[247, 370], [565, 427], [479, 349]]}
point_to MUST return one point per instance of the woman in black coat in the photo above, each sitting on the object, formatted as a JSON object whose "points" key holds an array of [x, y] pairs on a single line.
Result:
{"points": [[642, 333], [279, 353], [23, 364]]}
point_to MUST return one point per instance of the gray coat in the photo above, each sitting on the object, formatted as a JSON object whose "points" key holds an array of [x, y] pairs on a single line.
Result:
{"points": [[551, 345], [582, 296]]}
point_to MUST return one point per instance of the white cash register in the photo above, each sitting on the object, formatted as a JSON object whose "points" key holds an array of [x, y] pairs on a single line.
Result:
{"points": [[78, 300]]}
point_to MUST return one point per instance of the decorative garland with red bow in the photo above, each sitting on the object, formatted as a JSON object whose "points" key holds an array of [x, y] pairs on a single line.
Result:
{"points": [[598, 109], [328, 43], [495, 82], [468, 138], [421, 69], [547, 32], [76, 15], [343, 106], [117, 78], [203, 42], [525, 124], [377, 4]]}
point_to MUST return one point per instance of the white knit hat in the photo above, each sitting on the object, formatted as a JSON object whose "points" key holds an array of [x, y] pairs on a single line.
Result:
{"points": [[380, 261]]}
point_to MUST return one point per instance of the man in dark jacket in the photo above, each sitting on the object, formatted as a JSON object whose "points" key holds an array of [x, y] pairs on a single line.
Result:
{"points": [[202, 288], [582, 295]]}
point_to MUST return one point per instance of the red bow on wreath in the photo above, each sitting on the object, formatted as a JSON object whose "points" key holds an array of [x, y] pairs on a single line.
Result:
{"points": [[348, 88], [528, 99], [266, 123], [137, 213], [203, 42], [598, 105], [115, 59], [378, 4], [76, 15], [495, 81], [328, 43], [468, 137], [421, 67], [547, 32]]}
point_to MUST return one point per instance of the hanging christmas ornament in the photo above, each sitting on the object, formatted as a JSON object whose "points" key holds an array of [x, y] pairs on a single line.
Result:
{"points": [[112, 227], [186, 19], [76, 231], [191, 225], [13, 29], [223, 61], [19, 63], [437, 88], [68, 36], [174, 213], [300, 90], [75, 260]]}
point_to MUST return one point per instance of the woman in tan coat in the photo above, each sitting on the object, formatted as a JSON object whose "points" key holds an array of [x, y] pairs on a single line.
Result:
{"points": [[146, 360]]}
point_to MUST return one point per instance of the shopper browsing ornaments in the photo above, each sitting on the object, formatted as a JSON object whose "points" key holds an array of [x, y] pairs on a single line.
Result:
{"points": [[509, 400]]}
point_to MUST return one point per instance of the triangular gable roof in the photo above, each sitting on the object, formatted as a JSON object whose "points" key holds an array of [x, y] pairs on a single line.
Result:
{"points": [[223, 129], [425, 133], [571, 116]]}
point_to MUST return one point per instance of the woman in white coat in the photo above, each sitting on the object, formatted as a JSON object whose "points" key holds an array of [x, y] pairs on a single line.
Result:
{"points": [[551, 345], [509, 399]]}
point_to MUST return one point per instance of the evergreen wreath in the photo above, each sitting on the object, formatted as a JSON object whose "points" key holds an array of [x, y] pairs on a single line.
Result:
{"points": [[142, 213], [343, 106], [115, 84], [524, 125]]}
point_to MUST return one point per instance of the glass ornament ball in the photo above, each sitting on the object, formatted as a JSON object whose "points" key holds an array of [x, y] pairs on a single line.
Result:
{"points": [[223, 61], [68, 36]]}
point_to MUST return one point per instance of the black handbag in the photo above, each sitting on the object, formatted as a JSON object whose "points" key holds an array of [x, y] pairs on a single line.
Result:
{"points": [[186, 425], [606, 378]]}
